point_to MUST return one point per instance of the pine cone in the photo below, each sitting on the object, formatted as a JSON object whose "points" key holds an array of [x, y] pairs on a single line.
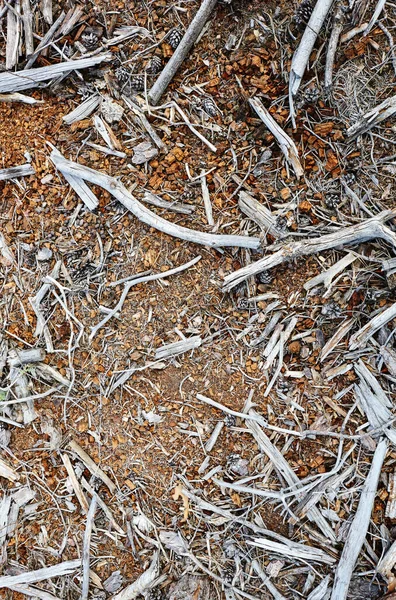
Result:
{"points": [[175, 37], [123, 74], [209, 107], [154, 65], [350, 178], [264, 277], [311, 95], [332, 201], [303, 13], [90, 39], [137, 83], [230, 420]]}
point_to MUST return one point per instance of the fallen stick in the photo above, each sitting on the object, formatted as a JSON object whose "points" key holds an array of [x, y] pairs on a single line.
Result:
{"points": [[259, 214], [189, 39], [64, 568], [14, 172], [285, 142], [358, 529], [207, 202], [46, 39], [176, 348], [35, 301], [301, 56], [338, 25], [346, 37], [74, 481], [371, 119], [5, 251], [13, 35], [27, 19], [30, 78], [33, 592], [142, 583], [140, 117], [92, 466], [327, 277], [19, 98], [378, 10], [367, 230], [130, 284], [83, 110], [362, 336], [103, 507], [177, 207], [8, 472], [77, 184], [114, 187], [86, 548]]}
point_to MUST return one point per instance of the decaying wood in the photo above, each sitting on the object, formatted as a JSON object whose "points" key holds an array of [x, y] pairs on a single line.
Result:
{"points": [[390, 511], [368, 229], [359, 526], [285, 142], [327, 277], [332, 47], [64, 568], [178, 207], [301, 56], [14, 172], [18, 358], [140, 117], [74, 481], [13, 35], [83, 110], [373, 117], [35, 301], [207, 202], [389, 356], [259, 214], [378, 10], [87, 547], [142, 583], [7, 471], [189, 39], [92, 466], [31, 78], [78, 185], [387, 562], [27, 27], [333, 342], [32, 592], [19, 98], [47, 38], [116, 189], [177, 348], [103, 507], [361, 337], [293, 549], [8, 257], [46, 9]]}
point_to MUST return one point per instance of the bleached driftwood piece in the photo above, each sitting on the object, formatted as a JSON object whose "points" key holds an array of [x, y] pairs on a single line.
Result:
{"points": [[78, 185], [301, 56], [49, 373], [103, 507], [106, 150], [138, 113], [64, 568], [389, 357], [374, 402], [130, 284], [87, 547], [207, 202], [5, 252], [14, 172], [13, 35], [20, 382], [92, 466], [189, 39], [333, 342], [103, 132], [259, 214], [361, 337], [214, 436], [178, 207], [27, 19], [293, 550], [387, 562], [176, 348], [332, 47], [373, 117], [285, 142], [125, 375], [46, 9], [116, 189], [358, 529], [71, 19], [327, 277], [19, 98], [352, 32], [7, 471], [74, 481], [32, 592], [367, 230], [5, 505], [47, 38], [31, 78], [378, 10], [83, 110], [390, 511], [17, 358], [35, 301], [142, 583], [266, 581]]}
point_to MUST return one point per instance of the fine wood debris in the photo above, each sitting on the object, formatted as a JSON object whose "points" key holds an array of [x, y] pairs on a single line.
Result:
{"points": [[182, 425]]}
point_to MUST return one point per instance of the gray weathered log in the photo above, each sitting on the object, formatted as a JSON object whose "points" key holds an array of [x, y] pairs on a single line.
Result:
{"points": [[61, 569], [13, 35], [31, 78], [189, 39], [14, 172], [259, 214]]}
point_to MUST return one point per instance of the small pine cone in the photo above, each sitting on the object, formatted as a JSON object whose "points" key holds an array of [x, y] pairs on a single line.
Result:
{"points": [[90, 40], [137, 83], [264, 277], [311, 95], [230, 420], [175, 37], [123, 74], [331, 309], [332, 201], [281, 223], [228, 575], [303, 13], [243, 304], [154, 65], [209, 107], [350, 178]]}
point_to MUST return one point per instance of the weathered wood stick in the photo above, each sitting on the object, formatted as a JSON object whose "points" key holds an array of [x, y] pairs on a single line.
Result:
{"points": [[379, 113], [86, 547], [189, 39], [327, 277], [259, 214], [92, 466], [77, 184], [285, 142], [30, 78], [14, 172], [13, 35], [19, 98], [177, 207], [63, 568], [46, 39], [332, 48], [46, 9], [378, 10], [116, 189], [27, 26], [359, 338], [83, 110], [367, 230], [359, 526]]}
